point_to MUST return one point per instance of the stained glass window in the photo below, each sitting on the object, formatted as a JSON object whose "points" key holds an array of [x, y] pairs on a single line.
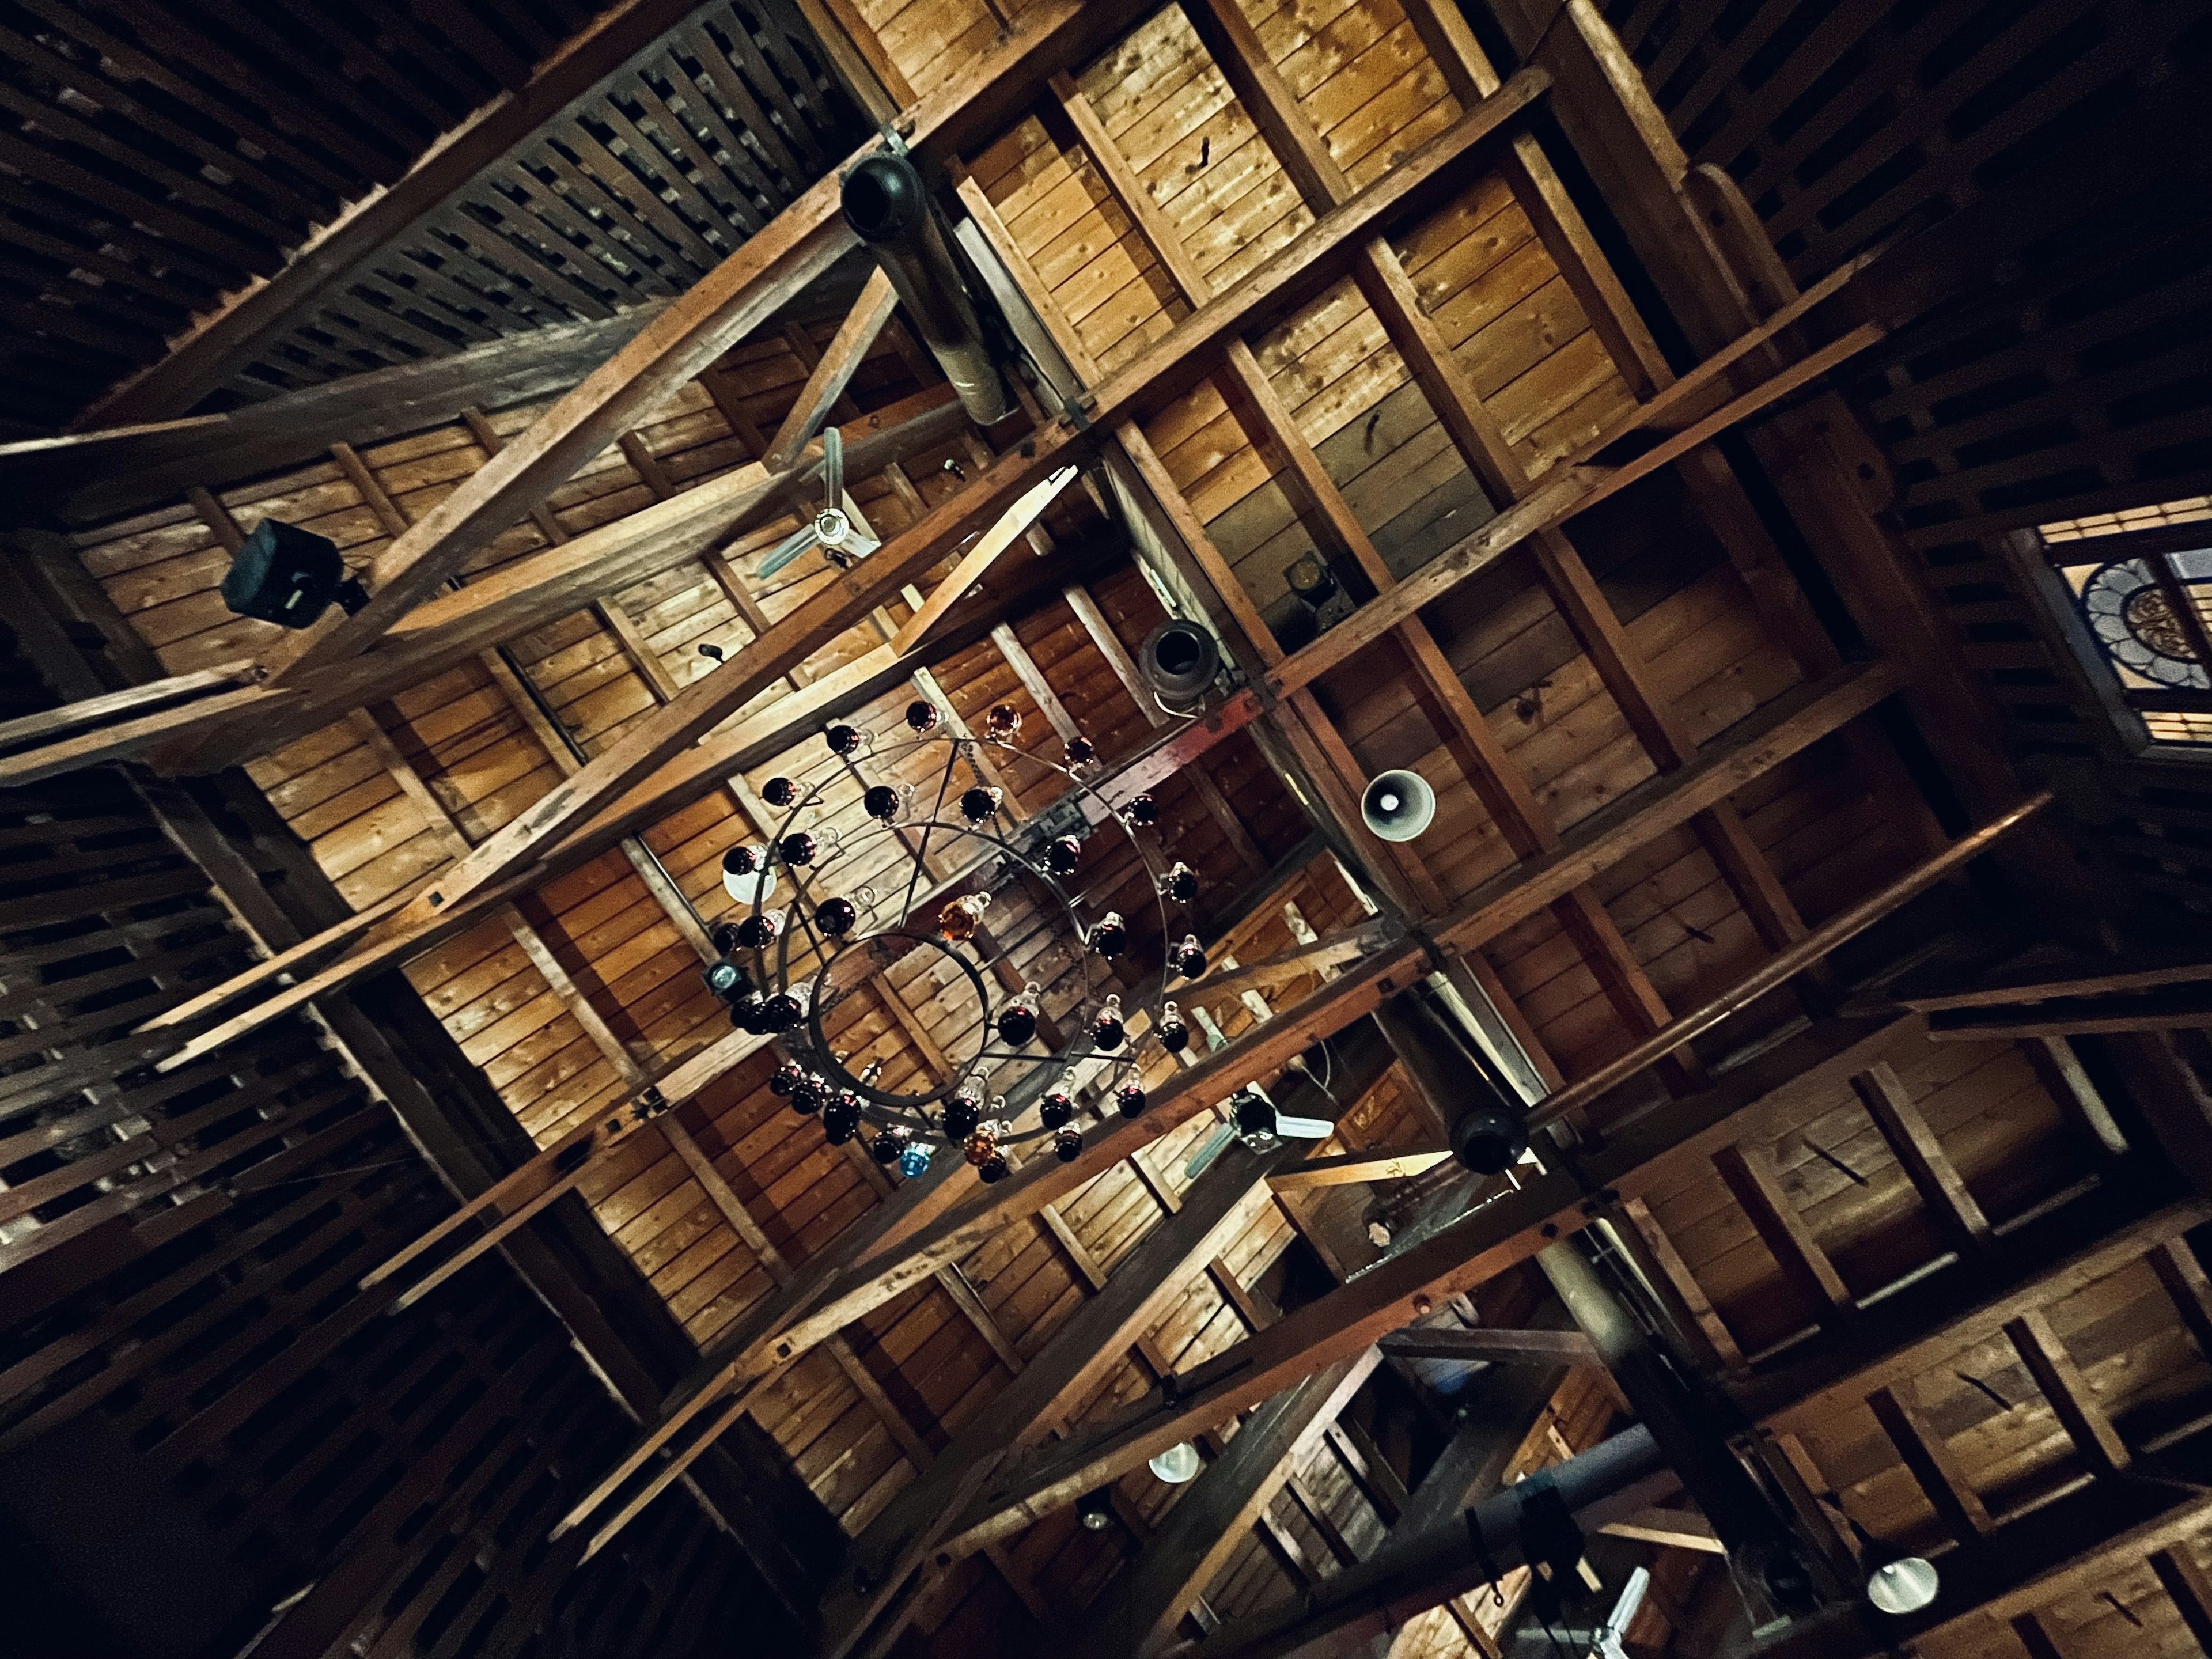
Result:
{"points": [[2149, 616]]}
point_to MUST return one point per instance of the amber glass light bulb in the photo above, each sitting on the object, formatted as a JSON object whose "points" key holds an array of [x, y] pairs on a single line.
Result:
{"points": [[957, 920]]}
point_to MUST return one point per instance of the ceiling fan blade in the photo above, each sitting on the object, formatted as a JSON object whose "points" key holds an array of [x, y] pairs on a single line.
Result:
{"points": [[833, 465], [789, 549], [1304, 1128], [858, 542], [1202, 1159]]}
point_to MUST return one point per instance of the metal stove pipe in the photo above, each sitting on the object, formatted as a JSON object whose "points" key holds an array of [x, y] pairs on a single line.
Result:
{"points": [[887, 207]]}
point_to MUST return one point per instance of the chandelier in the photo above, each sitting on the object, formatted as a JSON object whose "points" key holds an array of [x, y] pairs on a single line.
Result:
{"points": [[824, 909]]}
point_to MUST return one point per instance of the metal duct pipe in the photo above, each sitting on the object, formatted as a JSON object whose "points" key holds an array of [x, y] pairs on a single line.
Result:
{"points": [[1487, 1131], [887, 209], [1770, 1568], [1403, 1578]]}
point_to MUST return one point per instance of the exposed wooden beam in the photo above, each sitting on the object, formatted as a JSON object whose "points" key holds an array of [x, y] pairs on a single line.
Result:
{"points": [[2186, 1586], [1211, 1519], [218, 345], [2043, 981], [1926, 1164], [1511, 1230], [1777, 969], [1750, 1176], [743, 290], [1071, 1365], [1492, 1344], [833, 373], [1357, 1169], [1680, 1529], [2043, 1351]]}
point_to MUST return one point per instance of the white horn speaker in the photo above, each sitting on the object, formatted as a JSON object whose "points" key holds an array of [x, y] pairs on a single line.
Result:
{"points": [[1398, 806]]}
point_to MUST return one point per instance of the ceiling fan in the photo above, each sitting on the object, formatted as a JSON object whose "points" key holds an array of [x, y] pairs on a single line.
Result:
{"points": [[1253, 1120], [835, 527]]}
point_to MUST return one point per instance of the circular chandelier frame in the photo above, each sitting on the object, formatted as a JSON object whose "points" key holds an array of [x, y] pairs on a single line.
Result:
{"points": [[774, 994]]}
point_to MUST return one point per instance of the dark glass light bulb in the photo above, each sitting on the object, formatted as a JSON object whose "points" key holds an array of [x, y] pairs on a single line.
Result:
{"points": [[1062, 854], [806, 1094], [745, 1014], [1068, 1145], [994, 1169], [796, 850], [842, 740], [962, 1114], [1111, 936], [1129, 1099], [758, 933], [1107, 1029], [833, 918], [1174, 1034], [880, 801], [1080, 753], [1186, 958], [978, 804], [1182, 883], [921, 716], [887, 1146], [1004, 722], [1017, 1024], [786, 1078], [723, 936], [778, 792], [1143, 809], [781, 1013], [740, 861], [840, 1118], [1056, 1108]]}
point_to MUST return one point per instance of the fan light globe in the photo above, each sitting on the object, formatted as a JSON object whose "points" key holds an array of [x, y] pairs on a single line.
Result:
{"points": [[751, 887], [1905, 1585], [1178, 1463]]}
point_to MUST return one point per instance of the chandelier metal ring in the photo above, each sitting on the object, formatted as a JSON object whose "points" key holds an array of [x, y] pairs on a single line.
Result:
{"points": [[795, 967]]}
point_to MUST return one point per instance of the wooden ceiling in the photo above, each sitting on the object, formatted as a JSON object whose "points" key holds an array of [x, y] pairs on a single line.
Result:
{"points": [[162, 158], [1319, 279]]}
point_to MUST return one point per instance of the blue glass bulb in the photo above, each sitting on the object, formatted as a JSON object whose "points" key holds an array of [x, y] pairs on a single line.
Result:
{"points": [[914, 1160]]}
